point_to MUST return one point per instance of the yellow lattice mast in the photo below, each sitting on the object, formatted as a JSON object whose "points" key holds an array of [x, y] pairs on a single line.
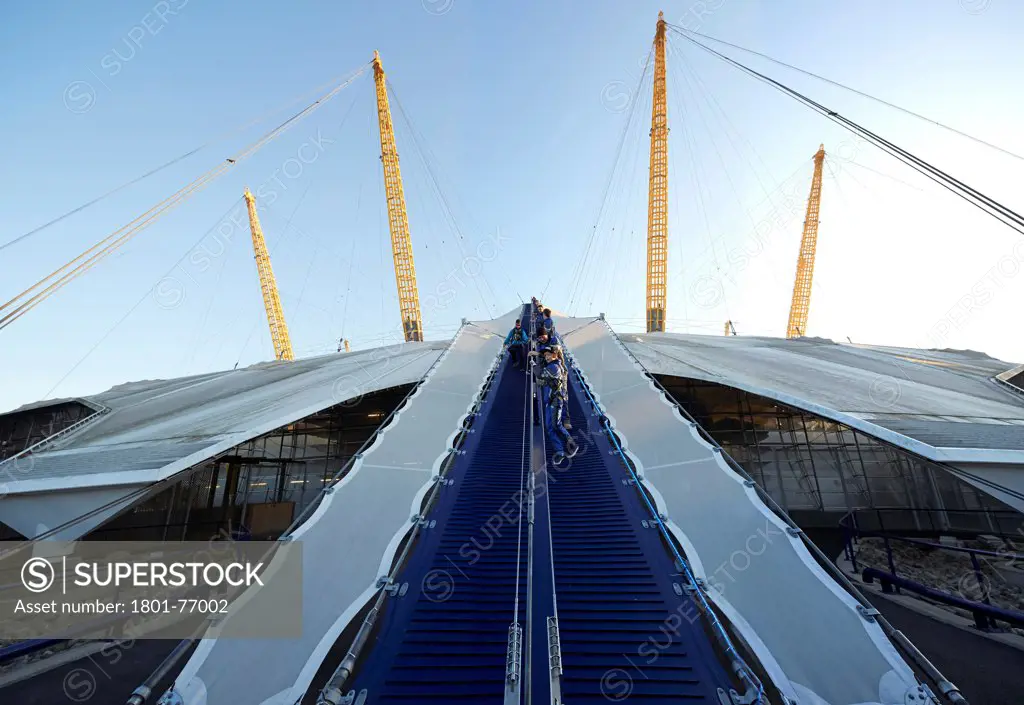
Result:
{"points": [[268, 285], [805, 260], [657, 208], [398, 220]]}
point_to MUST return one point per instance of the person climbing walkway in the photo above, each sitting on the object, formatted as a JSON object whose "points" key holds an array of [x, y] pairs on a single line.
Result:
{"points": [[553, 384], [516, 342]]}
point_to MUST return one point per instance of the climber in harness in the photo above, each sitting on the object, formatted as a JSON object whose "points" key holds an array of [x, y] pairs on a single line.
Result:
{"points": [[516, 342], [545, 343], [554, 385], [547, 324]]}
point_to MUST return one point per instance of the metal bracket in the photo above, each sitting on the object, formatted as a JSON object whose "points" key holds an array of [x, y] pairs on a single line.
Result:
{"points": [[329, 490], [394, 589], [734, 698], [554, 648], [920, 696], [677, 589], [171, 697], [749, 483], [794, 531], [353, 698], [515, 639], [868, 613], [554, 661]]}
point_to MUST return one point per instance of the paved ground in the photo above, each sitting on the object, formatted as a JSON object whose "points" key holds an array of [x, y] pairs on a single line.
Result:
{"points": [[987, 672], [104, 678]]}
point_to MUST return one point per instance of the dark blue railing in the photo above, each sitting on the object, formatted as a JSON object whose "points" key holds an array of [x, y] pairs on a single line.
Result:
{"points": [[984, 612], [24, 648], [985, 615]]}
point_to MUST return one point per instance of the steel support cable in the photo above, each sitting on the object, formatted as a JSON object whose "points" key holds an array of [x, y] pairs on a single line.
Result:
{"points": [[214, 140], [997, 210], [214, 291], [709, 94], [739, 664], [351, 264], [127, 232], [446, 212], [577, 271], [693, 87], [597, 272], [627, 193], [138, 303], [853, 90], [690, 140], [113, 241], [612, 198], [426, 158], [876, 172], [106, 195], [697, 83]]}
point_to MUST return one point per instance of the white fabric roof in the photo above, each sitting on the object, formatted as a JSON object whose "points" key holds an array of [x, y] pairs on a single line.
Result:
{"points": [[155, 429], [944, 405]]}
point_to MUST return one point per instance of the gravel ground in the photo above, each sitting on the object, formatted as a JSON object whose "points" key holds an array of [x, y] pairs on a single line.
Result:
{"points": [[951, 572]]}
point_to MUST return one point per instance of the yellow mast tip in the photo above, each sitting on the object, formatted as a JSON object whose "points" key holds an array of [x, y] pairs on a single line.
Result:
{"points": [[661, 15]]}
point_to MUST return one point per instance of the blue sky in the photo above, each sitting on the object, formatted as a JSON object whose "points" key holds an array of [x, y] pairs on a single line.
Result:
{"points": [[519, 108]]}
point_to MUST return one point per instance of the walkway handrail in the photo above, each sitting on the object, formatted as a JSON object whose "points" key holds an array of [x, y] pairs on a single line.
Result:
{"points": [[24, 648], [696, 587], [946, 687], [984, 615], [142, 694]]}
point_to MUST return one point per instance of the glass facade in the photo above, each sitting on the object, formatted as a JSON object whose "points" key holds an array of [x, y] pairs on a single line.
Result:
{"points": [[816, 468], [21, 429], [257, 488]]}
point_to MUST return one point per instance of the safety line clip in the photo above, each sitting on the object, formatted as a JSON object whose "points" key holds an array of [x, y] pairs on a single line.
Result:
{"points": [[868, 613]]}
